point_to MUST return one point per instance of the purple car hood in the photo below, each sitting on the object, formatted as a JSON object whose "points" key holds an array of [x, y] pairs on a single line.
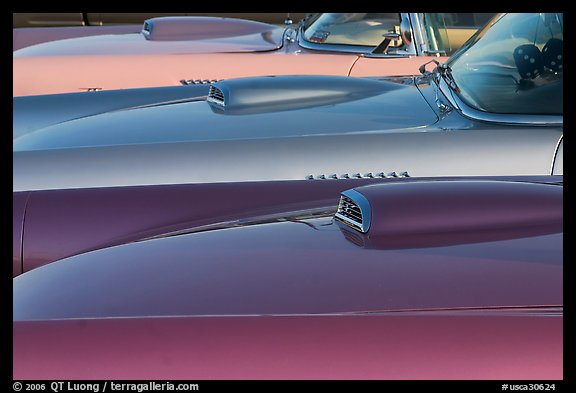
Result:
{"points": [[307, 263], [170, 35]]}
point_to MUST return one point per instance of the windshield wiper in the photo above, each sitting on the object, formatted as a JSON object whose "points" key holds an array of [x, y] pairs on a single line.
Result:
{"points": [[443, 70]]}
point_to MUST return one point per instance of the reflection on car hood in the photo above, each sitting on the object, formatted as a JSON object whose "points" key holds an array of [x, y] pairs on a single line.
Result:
{"points": [[184, 35], [290, 106]]}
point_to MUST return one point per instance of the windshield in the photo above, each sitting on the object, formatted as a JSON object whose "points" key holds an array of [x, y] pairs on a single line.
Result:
{"points": [[391, 33], [513, 67], [364, 29]]}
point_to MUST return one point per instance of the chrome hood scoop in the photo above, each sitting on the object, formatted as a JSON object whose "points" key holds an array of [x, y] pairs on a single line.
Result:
{"points": [[279, 93]]}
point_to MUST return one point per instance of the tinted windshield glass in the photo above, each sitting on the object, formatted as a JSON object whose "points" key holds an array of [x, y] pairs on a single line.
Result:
{"points": [[364, 29], [514, 67]]}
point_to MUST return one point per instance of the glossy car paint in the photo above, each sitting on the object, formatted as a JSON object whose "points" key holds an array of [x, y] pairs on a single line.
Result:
{"points": [[37, 112], [365, 130], [180, 36], [291, 285], [525, 144], [104, 62], [89, 219], [35, 28], [492, 208], [27, 36], [94, 218], [18, 210], [93, 19], [398, 347], [273, 97], [302, 267]]}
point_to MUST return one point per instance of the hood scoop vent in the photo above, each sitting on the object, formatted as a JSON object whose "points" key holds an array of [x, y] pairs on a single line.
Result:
{"points": [[215, 96], [354, 210], [288, 92]]}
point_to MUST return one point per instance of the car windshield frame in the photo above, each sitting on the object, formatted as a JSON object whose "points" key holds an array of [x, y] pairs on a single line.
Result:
{"points": [[413, 34], [313, 26], [497, 48]]}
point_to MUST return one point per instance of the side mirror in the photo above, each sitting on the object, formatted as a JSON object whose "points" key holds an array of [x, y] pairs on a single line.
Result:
{"points": [[288, 21]]}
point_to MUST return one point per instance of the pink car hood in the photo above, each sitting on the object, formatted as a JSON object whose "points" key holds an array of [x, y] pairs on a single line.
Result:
{"points": [[162, 55], [172, 35]]}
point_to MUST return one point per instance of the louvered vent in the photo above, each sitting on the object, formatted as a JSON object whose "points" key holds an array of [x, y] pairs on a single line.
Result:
{"points": [[215, 96], [147, 27], [187, 82], [354, 210]]}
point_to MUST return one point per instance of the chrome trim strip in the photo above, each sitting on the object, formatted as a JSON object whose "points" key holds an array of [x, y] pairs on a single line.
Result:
{"points": [[512, 311], [396, 55], [556, 155], [417, 35], [291, 216], [467, 111]]}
